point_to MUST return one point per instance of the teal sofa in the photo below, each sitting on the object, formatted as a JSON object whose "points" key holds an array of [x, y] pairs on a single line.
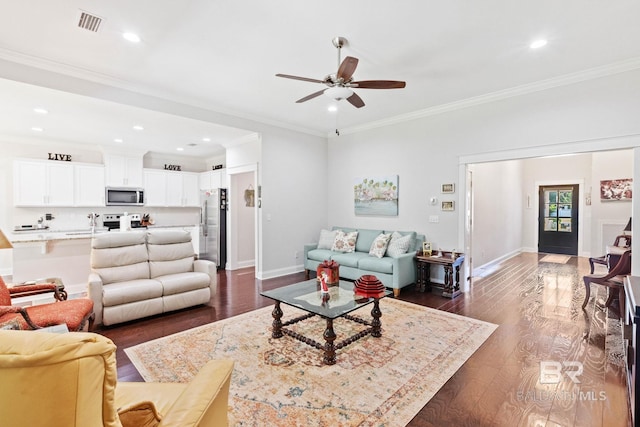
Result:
{"points": [[394, 272]]}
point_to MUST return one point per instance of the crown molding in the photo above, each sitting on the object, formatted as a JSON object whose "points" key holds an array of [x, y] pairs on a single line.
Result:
{"points": [[564, 80], [111, 81], [117, 83]]}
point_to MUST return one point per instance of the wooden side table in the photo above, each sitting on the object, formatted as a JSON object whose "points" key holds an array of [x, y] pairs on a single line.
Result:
{"points": [[451, 272]]}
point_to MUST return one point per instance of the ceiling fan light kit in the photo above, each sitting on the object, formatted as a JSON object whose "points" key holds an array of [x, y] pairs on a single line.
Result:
{"points": [[338, 92], [341, 84]]}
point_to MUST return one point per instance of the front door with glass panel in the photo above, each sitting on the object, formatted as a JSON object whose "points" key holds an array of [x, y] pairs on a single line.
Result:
{"points": [[558, 220]]}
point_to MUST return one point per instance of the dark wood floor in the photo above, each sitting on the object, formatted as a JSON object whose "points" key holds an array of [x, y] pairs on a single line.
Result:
{"points": [[537, 306]]}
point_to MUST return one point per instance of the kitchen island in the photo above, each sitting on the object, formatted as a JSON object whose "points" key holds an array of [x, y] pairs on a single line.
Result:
{"points": [[64, 254]]}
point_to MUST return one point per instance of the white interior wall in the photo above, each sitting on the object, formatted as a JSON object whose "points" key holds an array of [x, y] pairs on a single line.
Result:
{"points": [[610, 216], [498, 212], [294, 198], [427, 151]]}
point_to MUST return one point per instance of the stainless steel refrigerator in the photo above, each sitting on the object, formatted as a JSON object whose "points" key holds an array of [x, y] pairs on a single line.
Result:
{"points": [[213, 226]]}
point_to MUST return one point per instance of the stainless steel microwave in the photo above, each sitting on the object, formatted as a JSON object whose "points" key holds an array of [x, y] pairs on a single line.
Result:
{"points": [[120, 196]]}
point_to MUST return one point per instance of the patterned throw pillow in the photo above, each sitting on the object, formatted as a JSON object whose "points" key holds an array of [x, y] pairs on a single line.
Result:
{"points": [[345, 242], [399, 244], [379, 245], [326, 239]]}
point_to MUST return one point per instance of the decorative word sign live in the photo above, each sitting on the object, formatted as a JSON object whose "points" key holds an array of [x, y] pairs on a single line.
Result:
{"points": [[60, 157]]}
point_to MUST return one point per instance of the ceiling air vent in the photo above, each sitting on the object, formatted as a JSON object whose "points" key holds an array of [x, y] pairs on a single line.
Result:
{"points": [[89, 22]]}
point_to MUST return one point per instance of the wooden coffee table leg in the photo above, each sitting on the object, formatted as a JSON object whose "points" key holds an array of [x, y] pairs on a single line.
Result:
{"points": [[277, 321], [376, 330], [329, 347]]}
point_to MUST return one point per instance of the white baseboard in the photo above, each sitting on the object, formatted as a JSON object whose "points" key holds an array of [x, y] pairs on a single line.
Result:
{"points": [[477, 270], [281, 272]]}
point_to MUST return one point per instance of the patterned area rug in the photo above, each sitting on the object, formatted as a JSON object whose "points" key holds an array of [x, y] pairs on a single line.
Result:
{"points": [[278, 382], [558, 259]]}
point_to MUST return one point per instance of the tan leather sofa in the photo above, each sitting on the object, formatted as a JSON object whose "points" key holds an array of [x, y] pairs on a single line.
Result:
{"points": [[136, 274], [70, 380]]}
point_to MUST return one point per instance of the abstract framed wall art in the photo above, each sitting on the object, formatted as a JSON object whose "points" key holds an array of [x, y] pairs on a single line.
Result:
{"points": [[376, 196], [616, 189]]}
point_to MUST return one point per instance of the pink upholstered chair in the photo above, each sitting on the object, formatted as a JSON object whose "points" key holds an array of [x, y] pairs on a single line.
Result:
{"points": [[74, 313]]}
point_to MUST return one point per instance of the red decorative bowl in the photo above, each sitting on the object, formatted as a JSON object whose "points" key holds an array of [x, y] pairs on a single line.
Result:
{"points": [[368, 284]]}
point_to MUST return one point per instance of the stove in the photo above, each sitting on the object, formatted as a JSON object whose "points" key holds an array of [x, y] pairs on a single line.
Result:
{"points": [[112, 221]]}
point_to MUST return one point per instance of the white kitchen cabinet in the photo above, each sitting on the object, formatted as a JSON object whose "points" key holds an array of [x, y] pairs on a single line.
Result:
{"points": [[171, 189], [155, 187], [42, 183], [190, 190], [123, 171], [213, 179], [89, 185]]}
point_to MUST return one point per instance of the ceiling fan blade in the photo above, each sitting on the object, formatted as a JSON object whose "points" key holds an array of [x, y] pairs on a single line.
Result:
{"points": [[306, 79], [355, 100], [308, 97], [347, 68], [378, 84]]}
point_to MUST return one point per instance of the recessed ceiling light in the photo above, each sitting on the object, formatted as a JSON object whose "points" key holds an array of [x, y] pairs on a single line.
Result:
{"points": [[40, 110], [37, 129], [138, 127], [118, 140], [206, 139], [538, 44], [180, 149], [332, 108], [132, 37]]}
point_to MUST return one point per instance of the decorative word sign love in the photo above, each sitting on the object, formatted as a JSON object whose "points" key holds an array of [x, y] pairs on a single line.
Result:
{"points": [[172, 167], [216, 167], [60, 157]]}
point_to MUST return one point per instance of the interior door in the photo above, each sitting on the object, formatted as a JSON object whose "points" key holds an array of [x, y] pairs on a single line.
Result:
{"points": [[558, 219]]}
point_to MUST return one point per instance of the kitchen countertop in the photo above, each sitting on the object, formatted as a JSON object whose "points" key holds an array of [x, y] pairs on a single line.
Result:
{"points": [[49, 234], [27, 236]]}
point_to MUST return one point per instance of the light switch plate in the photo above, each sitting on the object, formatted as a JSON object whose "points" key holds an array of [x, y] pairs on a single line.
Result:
{"points": [[434, 218]]}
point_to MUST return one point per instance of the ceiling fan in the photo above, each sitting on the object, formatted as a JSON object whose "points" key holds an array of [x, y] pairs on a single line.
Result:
{"points": [[341, 83]]}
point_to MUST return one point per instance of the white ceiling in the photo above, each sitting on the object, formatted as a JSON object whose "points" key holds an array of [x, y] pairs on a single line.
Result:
{"points": [[223, 56]]}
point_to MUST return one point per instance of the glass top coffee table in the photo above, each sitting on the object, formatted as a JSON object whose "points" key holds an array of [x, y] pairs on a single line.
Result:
{"points": [[341, 300]]}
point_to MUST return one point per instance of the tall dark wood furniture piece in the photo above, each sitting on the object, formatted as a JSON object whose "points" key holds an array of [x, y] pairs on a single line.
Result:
{"points": [[451, 272], [632, 338]]}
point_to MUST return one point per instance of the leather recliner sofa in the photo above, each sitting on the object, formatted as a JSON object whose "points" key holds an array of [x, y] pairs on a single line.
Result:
{"points": [[136, 274]]}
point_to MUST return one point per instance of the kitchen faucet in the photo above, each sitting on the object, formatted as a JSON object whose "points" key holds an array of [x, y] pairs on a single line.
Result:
{"points": [[93, 217]]}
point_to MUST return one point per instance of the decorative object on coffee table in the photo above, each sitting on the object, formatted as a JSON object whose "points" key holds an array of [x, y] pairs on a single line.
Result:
{"points": [[368, 286], [331, 269], [323, 283]]}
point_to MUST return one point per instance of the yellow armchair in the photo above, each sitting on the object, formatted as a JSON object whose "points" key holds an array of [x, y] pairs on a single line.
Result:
{"points": [[70, 380]]}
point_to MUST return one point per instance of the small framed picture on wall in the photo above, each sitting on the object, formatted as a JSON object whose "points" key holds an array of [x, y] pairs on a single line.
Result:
{"points": [[448, 188], [448, 205]]}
